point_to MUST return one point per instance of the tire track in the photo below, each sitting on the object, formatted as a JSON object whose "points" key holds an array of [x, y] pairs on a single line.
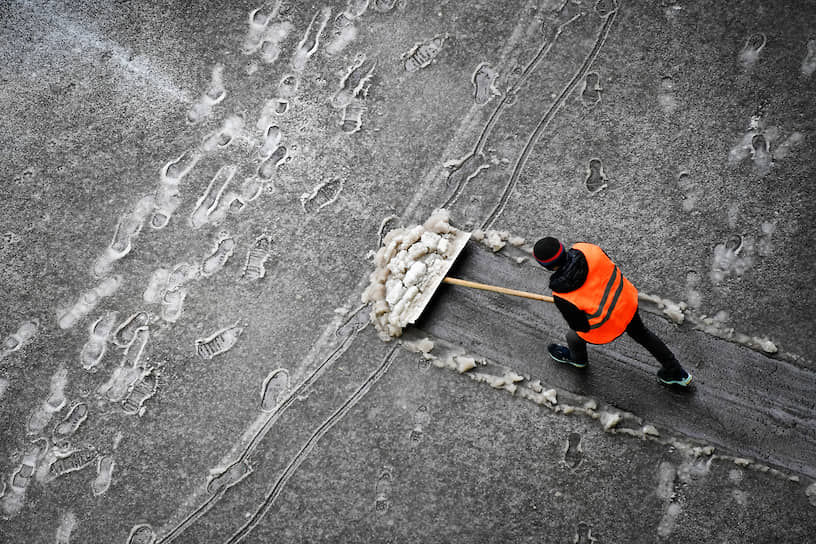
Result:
{"points": [[545, 121], [307, 447], [253, 443], [509, 96]]}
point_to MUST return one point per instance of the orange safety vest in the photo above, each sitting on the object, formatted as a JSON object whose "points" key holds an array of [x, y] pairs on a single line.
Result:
{"points": [[609, 299]]}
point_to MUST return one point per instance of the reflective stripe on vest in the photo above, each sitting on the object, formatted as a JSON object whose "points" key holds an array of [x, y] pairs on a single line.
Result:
{"points": [[608, 299]]}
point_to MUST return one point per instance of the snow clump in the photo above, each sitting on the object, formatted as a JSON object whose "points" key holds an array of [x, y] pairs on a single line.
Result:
{"points": [[408, 264]]}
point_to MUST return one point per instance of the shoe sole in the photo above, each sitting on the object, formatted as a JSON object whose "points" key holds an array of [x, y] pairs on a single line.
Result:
{"points": [[567, 362], [682, 383]]}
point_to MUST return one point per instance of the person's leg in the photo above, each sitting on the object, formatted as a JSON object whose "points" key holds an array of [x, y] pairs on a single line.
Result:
{"points": [[578, 347], [654, 345], [671, 373], [575, 355]]}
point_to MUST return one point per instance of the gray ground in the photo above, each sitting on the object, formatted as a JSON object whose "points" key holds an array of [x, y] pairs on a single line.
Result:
{"points": [[666, 132]]}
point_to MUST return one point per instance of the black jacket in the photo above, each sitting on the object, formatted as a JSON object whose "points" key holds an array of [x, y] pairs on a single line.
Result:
{"points": [[570, 276]]}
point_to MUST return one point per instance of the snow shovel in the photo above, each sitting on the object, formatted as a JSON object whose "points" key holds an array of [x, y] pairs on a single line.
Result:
{"points": [[459, 244], [496, 289]]}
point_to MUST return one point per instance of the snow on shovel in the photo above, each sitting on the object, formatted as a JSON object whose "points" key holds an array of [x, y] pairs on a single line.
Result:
{"points": [[411, 265]]}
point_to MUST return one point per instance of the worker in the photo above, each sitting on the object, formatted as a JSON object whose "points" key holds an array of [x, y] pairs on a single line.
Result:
{"points": [[599, 304]]}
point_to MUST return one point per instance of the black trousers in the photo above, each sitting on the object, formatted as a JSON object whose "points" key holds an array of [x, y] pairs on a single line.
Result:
{"points": [[639, 333]]}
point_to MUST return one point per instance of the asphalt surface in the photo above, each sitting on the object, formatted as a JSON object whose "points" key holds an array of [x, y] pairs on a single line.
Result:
{"points": [[741, 400], [662, 131]]}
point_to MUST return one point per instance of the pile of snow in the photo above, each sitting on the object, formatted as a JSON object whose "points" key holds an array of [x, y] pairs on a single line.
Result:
{"points": [[412, 261]]}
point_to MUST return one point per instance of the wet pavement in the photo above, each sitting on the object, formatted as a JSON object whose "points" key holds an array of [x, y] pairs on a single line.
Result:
{"points": [[189, 199]]}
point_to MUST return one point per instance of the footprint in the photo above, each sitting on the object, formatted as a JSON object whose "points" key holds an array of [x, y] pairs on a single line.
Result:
{"points": [[38, 419], [422, 54], [308, 45], [574, 454], [96, 346], [740, 497], [208, 202], [484, 84], [173, 171], [269, 166], [693, 296], [53, 403], [259, 253], [143, 389], [272, 138], [666, 474], [382, 498], [734, 244], [122, 378], [13, 498], [167, 201], [134, 351], [214, 94], [354, 82], [274, 387], [288, 86], [591, 92], [142, 534], [76, 460], [352, 118], [272, 40], [104, 473], [596, 178], [224, 248], [218, 342], [67, 524], [21, 477], [809, 62], [223, 136], [321, 196], [70, 423], [384, 6], [24, 334], [229, 477], [764, 245], [126, 332], [760, 152], [583, 534], [129, 226], [172, 304], [156, 286], [669, 520], [749, 53], [254, 38], [416, 436], [692, 193], [356, 8], [421, 419], [665, 95], [88, 301], [345, 31], [181, 275]]}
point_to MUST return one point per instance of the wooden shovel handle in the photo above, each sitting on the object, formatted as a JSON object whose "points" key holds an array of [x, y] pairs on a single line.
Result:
{"points": [[495, 289]]}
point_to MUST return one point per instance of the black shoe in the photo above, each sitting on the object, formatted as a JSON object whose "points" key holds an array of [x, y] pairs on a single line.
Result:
{"points": [[562, 355], [675, 376]]}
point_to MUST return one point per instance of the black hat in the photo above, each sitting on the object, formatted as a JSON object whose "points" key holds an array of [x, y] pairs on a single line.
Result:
{"points": [[549, 252]]}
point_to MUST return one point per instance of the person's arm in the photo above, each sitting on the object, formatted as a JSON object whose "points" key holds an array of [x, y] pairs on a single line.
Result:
{"points": [[576, 319]]}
